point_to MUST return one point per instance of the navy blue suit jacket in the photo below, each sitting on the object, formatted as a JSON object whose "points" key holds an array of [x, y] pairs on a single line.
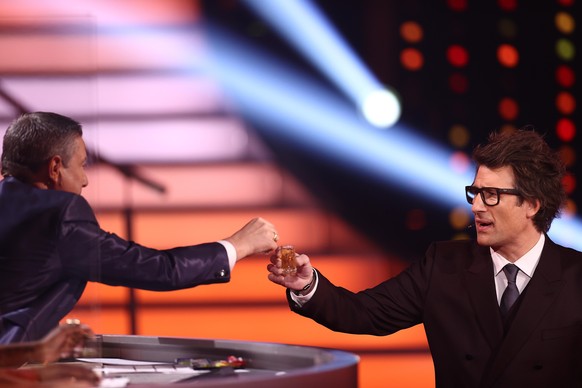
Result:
{"points": [[452, 292], [51, 245]]}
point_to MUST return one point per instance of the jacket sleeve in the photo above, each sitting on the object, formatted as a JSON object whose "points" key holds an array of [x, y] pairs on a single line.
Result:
{"points": [[90, 253], [392, 305]]}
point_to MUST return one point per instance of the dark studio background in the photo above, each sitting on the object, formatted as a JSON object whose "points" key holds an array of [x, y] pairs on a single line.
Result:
{"points": [[398, 221]]}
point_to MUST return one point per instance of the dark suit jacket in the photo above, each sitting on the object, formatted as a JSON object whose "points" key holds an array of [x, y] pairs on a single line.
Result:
{"points": [[451, 291], [51, 245]]}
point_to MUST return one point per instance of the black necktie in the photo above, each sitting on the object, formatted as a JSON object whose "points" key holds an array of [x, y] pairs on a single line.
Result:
{"points": [[511, 292]]}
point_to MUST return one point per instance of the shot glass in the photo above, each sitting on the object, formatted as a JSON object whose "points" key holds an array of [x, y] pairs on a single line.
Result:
{"points": [[287, 255]]}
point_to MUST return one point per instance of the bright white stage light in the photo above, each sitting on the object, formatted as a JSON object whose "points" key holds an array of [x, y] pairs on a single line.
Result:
{"points": [[381, 108], [306, 28]]}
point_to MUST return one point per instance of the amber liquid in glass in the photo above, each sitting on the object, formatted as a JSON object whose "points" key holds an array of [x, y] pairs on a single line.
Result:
{"points": [[287, 255]]}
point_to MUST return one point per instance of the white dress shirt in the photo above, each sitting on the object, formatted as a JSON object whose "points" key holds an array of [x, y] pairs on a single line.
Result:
{"points": [[527, 265], [230, 252]]}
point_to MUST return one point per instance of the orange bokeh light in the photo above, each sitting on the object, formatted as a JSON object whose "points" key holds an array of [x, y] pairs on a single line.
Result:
{"points": [[508, 108], [565, 103], [411, 59], [507, 55], [411, 32]]}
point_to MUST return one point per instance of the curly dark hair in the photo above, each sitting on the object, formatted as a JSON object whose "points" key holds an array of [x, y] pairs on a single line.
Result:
{"points": [[33, 138], [538, 170]]}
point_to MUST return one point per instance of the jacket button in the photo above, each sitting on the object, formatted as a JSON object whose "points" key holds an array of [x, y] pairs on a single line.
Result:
{"points": [[221, 273], [469, 357]]}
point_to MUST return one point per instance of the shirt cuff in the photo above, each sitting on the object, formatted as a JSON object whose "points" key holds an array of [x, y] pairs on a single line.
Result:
{"points": [[302, 299], [230, 252]]}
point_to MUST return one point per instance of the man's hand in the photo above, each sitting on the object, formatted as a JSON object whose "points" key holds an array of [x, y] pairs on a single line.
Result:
{"points": [[66, 340], [299, 280], [258, 236], [63, 341]]}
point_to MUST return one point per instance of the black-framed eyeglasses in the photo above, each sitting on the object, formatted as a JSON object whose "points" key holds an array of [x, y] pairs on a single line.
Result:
{"points": [[489, 195]]}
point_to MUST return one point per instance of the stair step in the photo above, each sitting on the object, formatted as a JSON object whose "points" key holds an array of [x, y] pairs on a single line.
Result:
{"points": [[59, 27], [196, 186], [309, 230]]}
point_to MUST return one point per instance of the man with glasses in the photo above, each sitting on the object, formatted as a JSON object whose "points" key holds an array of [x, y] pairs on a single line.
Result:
{"points": [[502, 311]]}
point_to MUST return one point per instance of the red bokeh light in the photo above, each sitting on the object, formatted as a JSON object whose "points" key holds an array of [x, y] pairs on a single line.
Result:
{"points": [[565, 130], [458, 83], [565, 76], [507, 5], [569, 183], [508, 108], [457, 5], [457, 55]]}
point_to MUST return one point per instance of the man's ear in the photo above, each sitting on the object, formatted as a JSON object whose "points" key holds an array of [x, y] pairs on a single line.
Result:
{"points": [[533, 206], [54, 170]]}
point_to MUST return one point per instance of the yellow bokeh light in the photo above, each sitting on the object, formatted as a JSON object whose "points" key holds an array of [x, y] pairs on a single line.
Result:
{"points": [[569, 209], [459, 218], [565, 49], [507, 28], [459, 136]]}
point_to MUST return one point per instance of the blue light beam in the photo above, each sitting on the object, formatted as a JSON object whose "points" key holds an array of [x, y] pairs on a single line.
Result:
{"points": [[295, 108], [304, 26]]}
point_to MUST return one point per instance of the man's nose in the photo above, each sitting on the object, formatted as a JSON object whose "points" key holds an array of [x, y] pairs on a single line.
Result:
{"points": [[477, 203]]}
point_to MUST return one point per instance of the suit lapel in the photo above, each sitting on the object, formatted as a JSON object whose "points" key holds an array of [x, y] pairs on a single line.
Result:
{"points": [[481, 287], [542, 290]]}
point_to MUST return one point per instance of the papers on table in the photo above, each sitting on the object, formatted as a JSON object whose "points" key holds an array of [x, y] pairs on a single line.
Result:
{"points": [[115, 371]]}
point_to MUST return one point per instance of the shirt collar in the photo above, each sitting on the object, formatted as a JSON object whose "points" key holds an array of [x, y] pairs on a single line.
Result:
{"points": [[527, 263]]}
